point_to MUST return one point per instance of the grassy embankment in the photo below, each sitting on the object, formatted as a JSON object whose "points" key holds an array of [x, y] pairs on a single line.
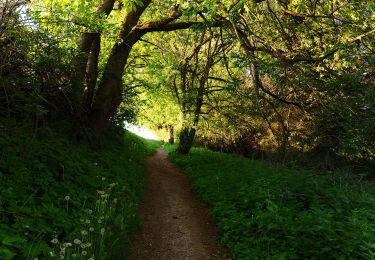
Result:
{"points": [[268, 211], [60, 197]]}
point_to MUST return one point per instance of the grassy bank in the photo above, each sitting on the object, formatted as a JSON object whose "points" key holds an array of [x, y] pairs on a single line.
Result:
{"points": [[65, 198], [267, 211]]}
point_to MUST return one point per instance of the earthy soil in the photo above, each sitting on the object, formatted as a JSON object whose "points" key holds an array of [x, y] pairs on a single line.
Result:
{"points": [[175, 224]]}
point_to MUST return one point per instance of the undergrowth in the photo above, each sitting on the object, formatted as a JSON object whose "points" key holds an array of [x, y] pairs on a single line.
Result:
{"points": [[266, 211], [65, 199]]}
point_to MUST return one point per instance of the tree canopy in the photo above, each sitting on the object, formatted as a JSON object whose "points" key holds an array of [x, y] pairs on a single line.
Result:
{"points": [[237, 75], [287, 81]]}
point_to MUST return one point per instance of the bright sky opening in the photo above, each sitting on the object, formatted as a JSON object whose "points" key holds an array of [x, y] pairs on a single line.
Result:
{"points": [[141, 131]]}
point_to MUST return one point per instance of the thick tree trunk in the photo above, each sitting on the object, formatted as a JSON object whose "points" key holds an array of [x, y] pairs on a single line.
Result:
{"points": [[109, 93], [86, 65]]}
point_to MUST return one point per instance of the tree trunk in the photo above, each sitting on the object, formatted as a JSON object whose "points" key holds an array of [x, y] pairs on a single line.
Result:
{"points": [[186, 140], [109, 93], [171, 134], [79, 73], [91, 73], [86, 66], [187, 134]]}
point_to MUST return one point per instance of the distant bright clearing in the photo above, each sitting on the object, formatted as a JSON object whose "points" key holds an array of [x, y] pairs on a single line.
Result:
{"points": [[141, 131]]}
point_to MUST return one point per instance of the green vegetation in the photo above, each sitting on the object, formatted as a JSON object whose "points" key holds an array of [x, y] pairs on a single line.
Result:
{"points": [[64, 197], [290, 81], [267, 211]]}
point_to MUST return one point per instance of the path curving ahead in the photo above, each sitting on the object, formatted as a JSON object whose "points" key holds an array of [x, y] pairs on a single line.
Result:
{"points": [[175, 224]]}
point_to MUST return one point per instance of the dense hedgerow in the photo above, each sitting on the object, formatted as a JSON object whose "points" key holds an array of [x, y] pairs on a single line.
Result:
{"points": [[65, 198], [267, 211]]}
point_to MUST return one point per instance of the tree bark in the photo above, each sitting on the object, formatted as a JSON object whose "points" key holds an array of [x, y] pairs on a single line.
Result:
{"points": [[92, 73], [109, 93], [187, 134], [171, 134], [86, 65]]}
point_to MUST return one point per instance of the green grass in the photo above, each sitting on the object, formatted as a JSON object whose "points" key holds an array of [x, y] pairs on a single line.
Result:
{"points": [[56, 193], [267, 211], [154, 144]]}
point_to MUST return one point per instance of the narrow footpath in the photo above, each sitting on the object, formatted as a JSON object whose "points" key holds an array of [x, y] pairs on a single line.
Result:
{"points": [[175, 224]]}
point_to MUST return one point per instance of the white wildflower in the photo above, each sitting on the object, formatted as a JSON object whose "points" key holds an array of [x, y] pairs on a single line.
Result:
{"points": [[54, 241], [51, 254], [84, 232], [103, 178], [77, 241], [89, 211], [91, 229], [102, 230], [84, 253], [67, 198]]}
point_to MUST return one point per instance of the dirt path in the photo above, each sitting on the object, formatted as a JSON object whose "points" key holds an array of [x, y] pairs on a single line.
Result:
{"points": [[175, 224]]}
